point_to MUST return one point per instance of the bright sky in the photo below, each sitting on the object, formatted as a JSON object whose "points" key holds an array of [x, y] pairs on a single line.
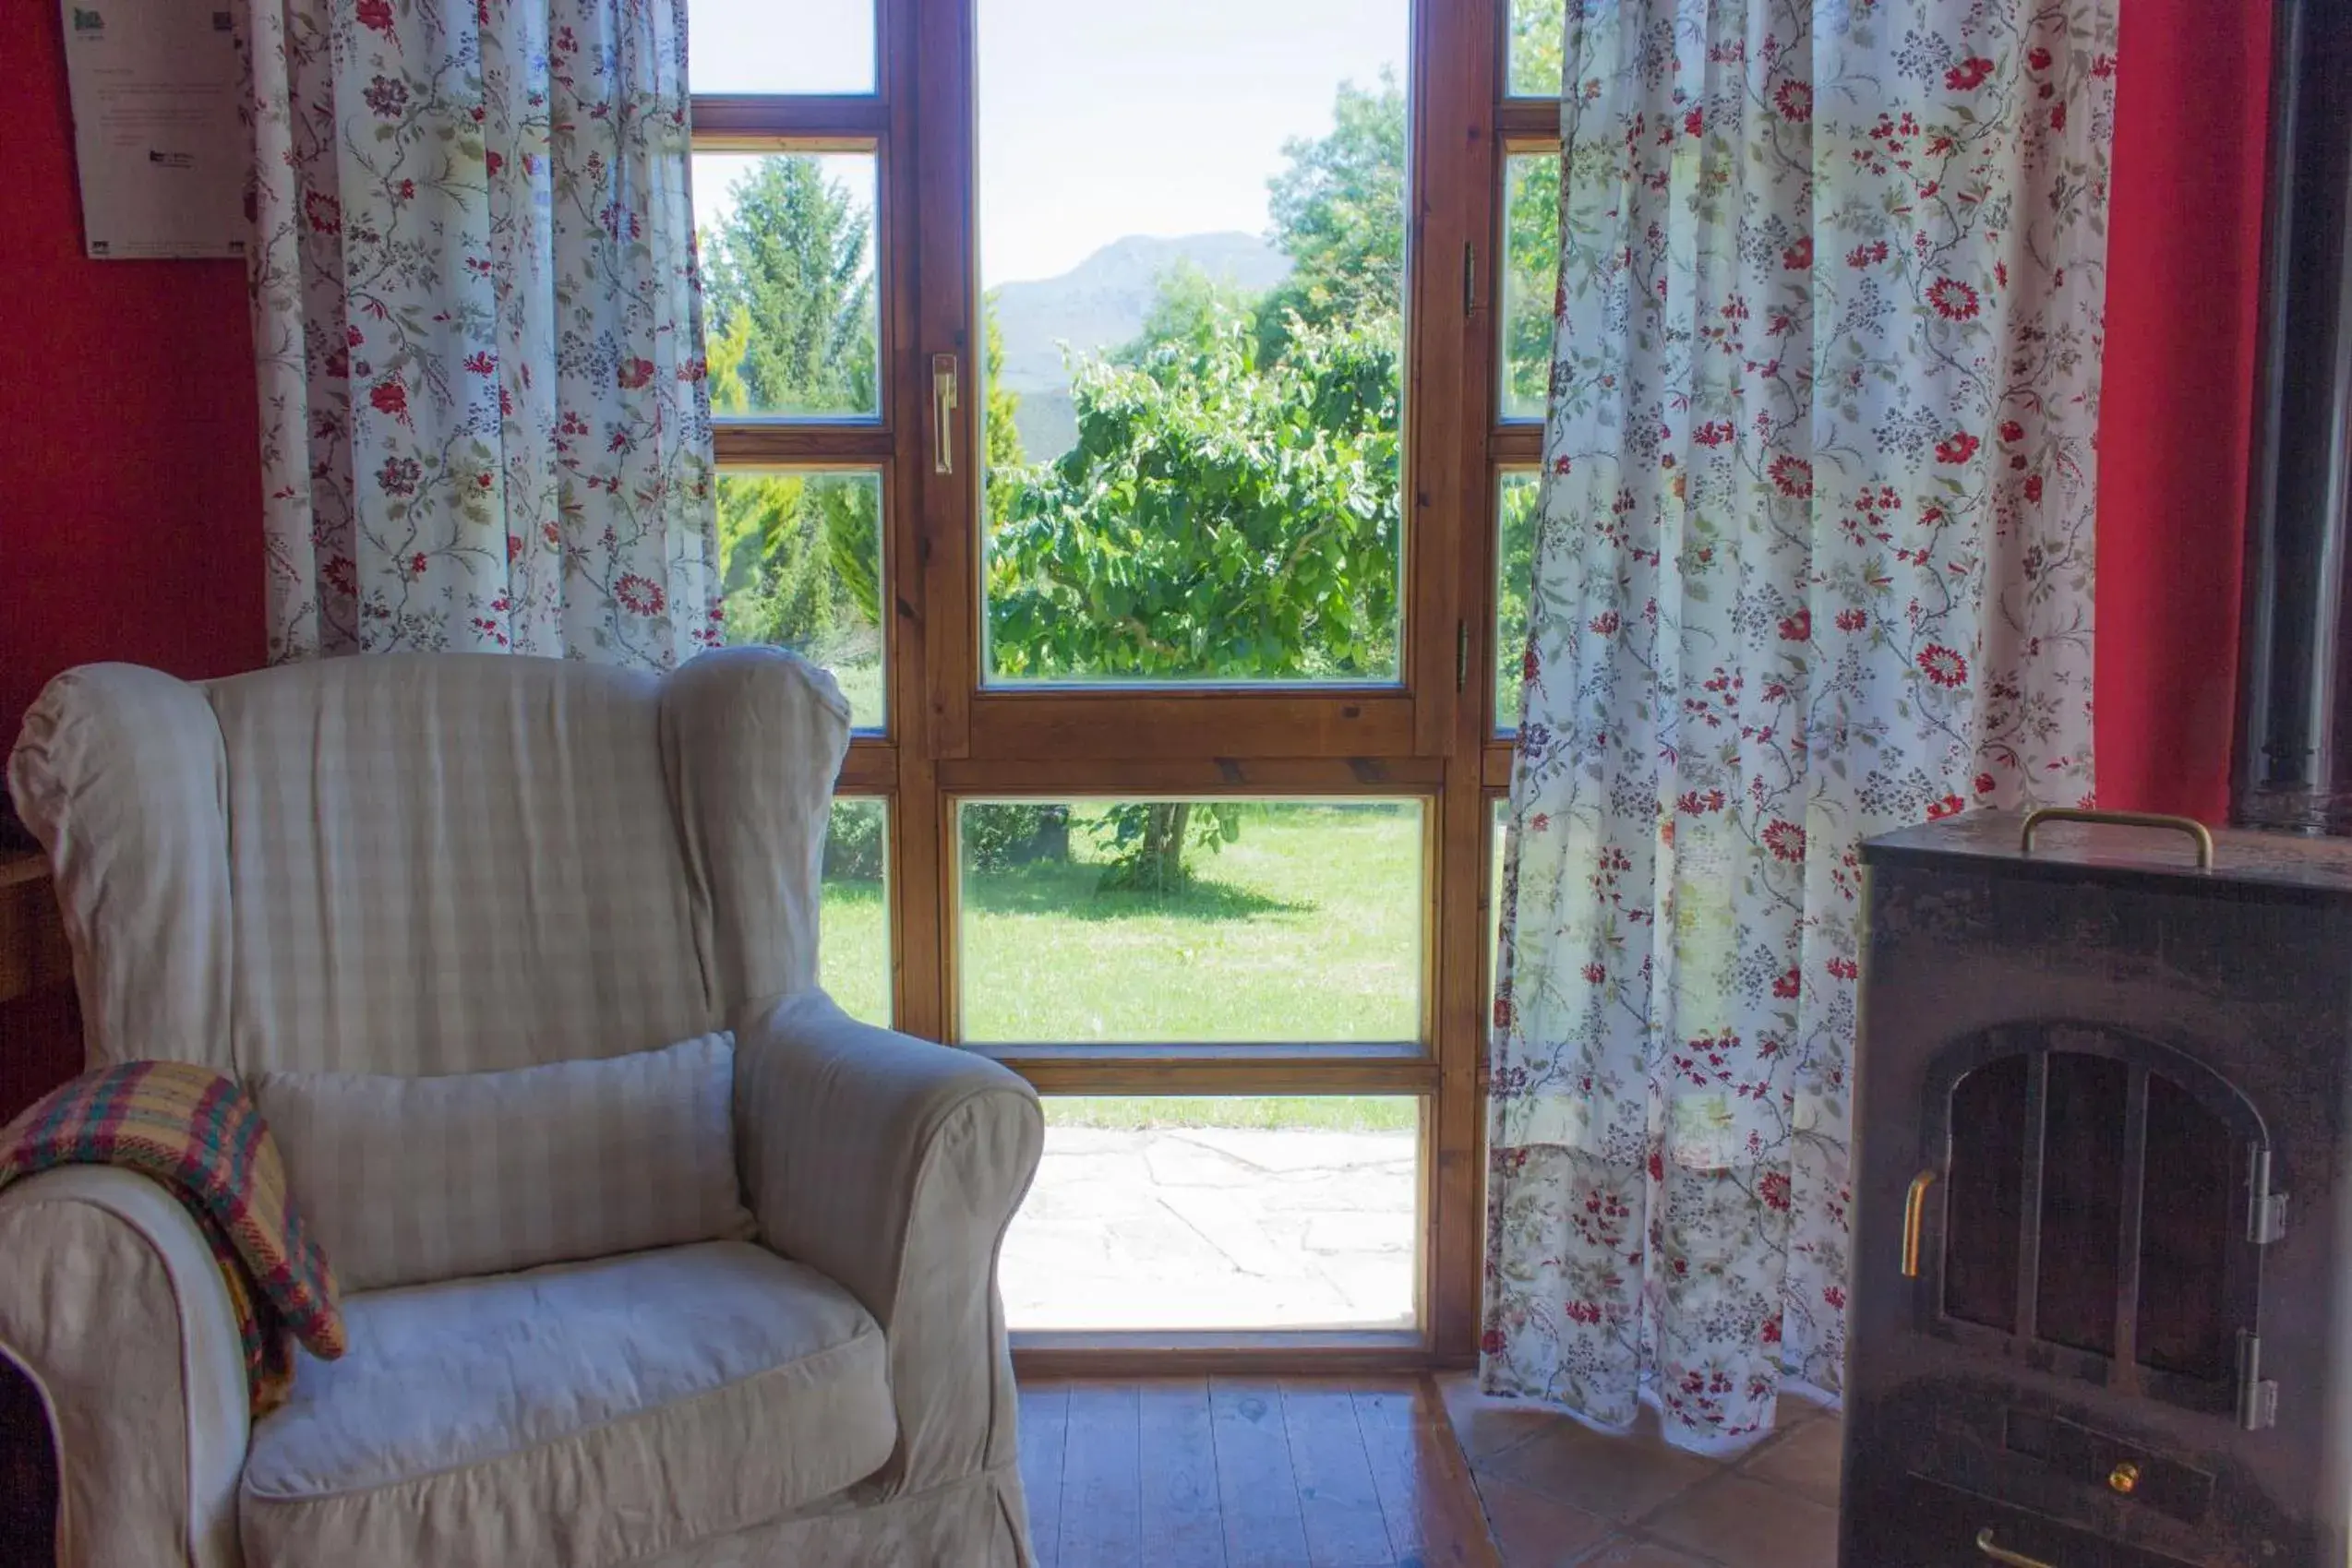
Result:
{"points": [[1098, 118]]}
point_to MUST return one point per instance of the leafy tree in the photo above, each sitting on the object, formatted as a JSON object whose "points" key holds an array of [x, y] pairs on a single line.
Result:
{"points": [[1531, 262], [1539, 41], [1231, 509], [1516, 539], [1147, 841], [798, 551], [1000, 434], [1214, 518], [1531, 280], [1338, 213], [790, 288], [791, 300]]}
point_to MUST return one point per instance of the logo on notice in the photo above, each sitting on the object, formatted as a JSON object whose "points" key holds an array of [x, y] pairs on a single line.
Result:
{"points": [[87, 20]]}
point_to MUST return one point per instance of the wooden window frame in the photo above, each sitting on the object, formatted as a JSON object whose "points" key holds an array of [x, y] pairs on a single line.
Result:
{"points": [[1427, 736]]}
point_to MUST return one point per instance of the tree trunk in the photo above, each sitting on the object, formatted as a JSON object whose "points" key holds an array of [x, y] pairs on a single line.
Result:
{"points": [[1163, 860]]}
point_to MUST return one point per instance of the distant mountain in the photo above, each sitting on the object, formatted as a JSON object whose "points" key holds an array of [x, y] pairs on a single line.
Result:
{"points": [[1100, 303]]}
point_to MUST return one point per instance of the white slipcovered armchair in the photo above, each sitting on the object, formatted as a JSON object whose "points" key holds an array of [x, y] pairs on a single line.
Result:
{"points": [[426, 866]]}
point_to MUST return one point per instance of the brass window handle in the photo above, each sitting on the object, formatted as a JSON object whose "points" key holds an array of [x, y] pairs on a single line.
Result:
{"points": [[2002, 1554], [1914, 1217], [943, 412]]}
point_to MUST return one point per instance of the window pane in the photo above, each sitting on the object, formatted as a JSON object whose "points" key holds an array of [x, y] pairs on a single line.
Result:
{"points": [[1498, 843], [853, 939], [791, 322], [1193, 252], [1219, 1213], [1531, 278], [1206, 920], [1518, 495], [781, 46], [1538, 31], [802, 556]]}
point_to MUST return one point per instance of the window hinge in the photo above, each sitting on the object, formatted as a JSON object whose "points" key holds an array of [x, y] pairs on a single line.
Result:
{"points": [[1461, 655], [1470, 277], [2257, 1396], [2266, 1210]]}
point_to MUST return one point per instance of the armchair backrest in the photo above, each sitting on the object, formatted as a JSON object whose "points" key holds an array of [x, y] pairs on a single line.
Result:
{"points": [[431, 863]]}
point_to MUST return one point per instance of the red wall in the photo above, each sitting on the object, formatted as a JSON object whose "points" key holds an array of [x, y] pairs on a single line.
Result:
{"points": [[2184, 247], [129, 489], [130, 485]]}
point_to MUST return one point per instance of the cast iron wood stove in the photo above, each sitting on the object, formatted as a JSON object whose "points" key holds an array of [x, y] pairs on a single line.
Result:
{"points": [[2102, 1309], [2102, 1254]]}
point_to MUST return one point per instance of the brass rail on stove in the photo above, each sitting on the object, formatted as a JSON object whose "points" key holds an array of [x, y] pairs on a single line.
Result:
{"points": [[2190, 825]]}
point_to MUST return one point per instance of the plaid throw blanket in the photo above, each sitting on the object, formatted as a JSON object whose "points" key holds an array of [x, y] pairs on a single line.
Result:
{"points": [[195, 1132]]}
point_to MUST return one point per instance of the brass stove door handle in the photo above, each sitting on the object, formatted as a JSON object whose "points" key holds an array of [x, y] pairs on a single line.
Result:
{"points": [[2190, 825], [2002, 1554], [1914, 1217]]}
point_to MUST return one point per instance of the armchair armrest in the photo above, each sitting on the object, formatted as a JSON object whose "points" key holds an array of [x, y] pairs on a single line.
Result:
{"points": [[112, 1303], [894, 1166]]}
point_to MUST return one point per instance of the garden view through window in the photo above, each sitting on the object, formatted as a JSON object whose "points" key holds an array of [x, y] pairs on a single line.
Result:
{"points": [[853, 933], [1518, 492], [1191, 254], [1058, 354], [791, 318], [1530, 274]]}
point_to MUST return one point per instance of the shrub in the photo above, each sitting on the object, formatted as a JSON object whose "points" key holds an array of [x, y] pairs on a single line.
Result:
{"points": [[855, 844], [1001, 833]]}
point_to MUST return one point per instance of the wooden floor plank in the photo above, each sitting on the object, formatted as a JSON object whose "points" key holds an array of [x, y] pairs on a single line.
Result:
{"points": [[1183, 1525], [1256, 1489], [1424, 1488], [1186, 1472], [1338, 1503], [1101, 1479], [1045, 1412]]}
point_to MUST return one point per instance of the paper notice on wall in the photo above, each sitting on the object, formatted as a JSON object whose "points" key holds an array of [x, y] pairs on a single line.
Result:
{"points": [[156, 139]]}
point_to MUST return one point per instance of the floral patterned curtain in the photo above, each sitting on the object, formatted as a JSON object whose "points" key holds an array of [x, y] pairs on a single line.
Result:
{"points": [[485, 415], [1814, 562]]}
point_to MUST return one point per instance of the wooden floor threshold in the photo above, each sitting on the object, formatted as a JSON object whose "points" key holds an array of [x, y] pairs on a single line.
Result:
{"points": [[1060, 1355]]}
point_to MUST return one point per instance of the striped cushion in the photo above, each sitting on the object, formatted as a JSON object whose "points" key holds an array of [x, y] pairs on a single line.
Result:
{"points": [[408, 1181]]}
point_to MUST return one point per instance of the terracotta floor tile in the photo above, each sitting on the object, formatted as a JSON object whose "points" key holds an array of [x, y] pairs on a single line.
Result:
{"points": [[1790, 1412], [1749, 1524], [1618, 1478], [1533, 1531], [1806, 1459], [1486, 1427]]}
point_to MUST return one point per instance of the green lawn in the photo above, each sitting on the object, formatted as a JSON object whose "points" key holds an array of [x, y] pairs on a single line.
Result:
{"points": [[1307, 928], [853, 949], [1304, 928]]}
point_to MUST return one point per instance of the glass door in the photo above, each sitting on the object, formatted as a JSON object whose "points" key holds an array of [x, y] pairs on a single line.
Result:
{"points": [[1110, 393]]}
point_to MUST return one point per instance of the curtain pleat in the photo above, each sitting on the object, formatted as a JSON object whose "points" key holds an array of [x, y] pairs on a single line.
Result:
{"points": [[486, 419]]}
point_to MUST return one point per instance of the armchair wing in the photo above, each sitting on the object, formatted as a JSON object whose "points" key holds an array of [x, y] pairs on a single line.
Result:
{"points": [[112, 1303], [894, 1166]]}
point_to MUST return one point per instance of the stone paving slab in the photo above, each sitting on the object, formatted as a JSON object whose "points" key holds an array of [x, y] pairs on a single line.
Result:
{"points": [[1214, 1227]]}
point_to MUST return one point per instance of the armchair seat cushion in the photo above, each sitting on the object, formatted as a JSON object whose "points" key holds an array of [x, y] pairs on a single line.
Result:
{"points": [[586, 1414]]}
